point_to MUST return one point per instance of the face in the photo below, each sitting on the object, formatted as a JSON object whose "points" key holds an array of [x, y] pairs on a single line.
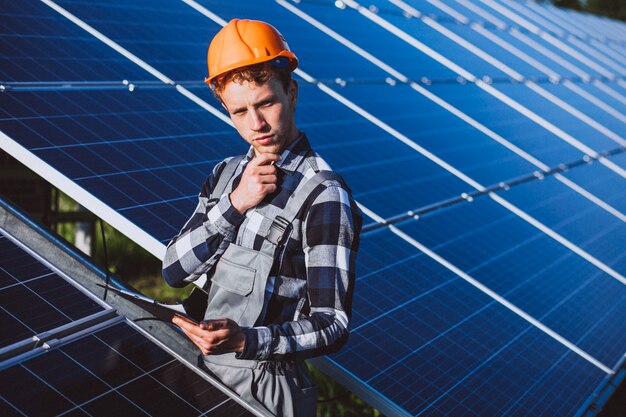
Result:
{"points": [[263, 114]]}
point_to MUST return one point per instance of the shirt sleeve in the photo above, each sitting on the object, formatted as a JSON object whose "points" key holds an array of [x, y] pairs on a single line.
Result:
{"points": [[330, 242], [204, 237]]}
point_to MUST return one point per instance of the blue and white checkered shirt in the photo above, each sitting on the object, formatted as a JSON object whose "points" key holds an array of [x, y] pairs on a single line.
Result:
{"points": [[308, 303]]}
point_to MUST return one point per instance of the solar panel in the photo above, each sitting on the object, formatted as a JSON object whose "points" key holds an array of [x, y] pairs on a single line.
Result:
{"points": [[74, 360], [549, 42], [479, 307], [575, 217], [78, 132], [117, 371], [496, 248], [33, 298], [433, 338], [39, 46]]}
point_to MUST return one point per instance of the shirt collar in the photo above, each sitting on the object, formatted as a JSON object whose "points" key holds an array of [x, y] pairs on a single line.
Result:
{"points": [[292, 156]]}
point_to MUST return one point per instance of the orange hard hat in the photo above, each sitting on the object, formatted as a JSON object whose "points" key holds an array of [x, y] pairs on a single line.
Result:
{"points": [[246, 42]]}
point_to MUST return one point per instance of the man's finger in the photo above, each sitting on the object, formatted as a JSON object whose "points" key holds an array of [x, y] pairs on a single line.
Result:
{"points": [[214, 324], [269, 179], [265, 170], [188, 326], [264, 159], [206, 342]]}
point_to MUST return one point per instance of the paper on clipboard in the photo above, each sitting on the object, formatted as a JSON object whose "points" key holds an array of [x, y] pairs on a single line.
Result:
{"points": [[165, 312]]}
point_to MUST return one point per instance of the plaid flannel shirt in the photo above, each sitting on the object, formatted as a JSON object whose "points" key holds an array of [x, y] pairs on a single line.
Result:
{"points": [[308, 303]]}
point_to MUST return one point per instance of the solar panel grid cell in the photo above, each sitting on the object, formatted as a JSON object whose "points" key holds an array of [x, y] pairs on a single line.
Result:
{"points": [[474, 62], [438, 376], [499, 53], [584, 132], [460, 145], [620, 160], [423, 30], [517, 57], [524, 39], [541, 385]]}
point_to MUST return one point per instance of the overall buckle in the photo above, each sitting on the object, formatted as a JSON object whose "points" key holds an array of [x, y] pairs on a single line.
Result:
{"points": [[277, 230]]}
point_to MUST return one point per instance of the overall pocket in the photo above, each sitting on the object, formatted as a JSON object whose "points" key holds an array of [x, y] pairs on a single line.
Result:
{"points": [[232, 284]]}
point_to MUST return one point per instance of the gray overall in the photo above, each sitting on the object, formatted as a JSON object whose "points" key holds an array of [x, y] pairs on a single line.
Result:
{"points": [[283, 388]]}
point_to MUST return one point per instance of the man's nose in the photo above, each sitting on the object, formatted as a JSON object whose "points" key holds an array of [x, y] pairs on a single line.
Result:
{"points": [[257, 121]]}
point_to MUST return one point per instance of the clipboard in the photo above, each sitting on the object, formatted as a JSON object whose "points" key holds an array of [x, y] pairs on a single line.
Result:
{"points": [[164, 312]]}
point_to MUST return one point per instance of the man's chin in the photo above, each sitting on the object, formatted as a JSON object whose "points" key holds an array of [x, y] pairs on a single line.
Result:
{"points": [[267, 149]]}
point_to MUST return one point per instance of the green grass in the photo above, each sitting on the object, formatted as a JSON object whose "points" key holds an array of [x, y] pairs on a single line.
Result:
{"points": [[336, 401]]}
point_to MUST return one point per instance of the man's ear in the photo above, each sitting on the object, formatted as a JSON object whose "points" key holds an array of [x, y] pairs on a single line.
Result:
{"points": [[293, 92]]}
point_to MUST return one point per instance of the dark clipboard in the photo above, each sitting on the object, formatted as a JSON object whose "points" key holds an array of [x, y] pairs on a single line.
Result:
{"points": [[164, 312]]}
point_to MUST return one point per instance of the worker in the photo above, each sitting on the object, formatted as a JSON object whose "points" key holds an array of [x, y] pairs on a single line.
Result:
{"points": [[275, 230]]}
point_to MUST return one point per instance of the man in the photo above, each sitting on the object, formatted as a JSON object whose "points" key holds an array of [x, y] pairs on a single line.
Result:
{"points": [[276, 232]]}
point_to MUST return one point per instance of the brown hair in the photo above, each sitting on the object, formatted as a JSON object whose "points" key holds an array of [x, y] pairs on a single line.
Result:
{"points": [[257, 73]]}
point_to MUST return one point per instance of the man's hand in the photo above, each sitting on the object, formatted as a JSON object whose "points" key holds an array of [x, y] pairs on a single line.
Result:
{"points": [[213, 337], [258, 180]]}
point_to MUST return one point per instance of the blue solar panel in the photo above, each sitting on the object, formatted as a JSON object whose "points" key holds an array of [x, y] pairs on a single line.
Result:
{"points": [[559, 117], [620, 160], [523, 39], [425, 341], [500, 53], [529, 269], [585, 65], [508, 123], [440, 132], [598, 113], [34, 298], [600, 181], [115, 371], [116, 144], [578, 219], [168, 35], [40, 45], [92, 361], [431, 339], [479, 67]]}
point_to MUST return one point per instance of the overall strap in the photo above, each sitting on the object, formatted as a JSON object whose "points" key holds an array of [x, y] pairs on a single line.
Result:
{"points": [[283, 221], [225, 175]]}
